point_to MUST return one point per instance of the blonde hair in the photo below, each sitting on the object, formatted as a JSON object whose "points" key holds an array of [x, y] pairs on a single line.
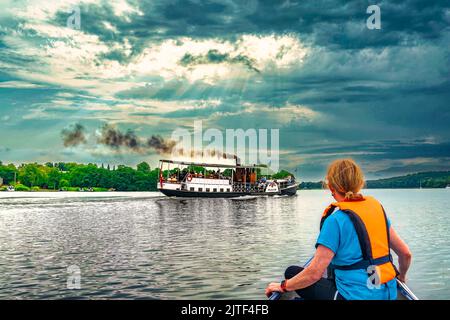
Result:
{"points": [[345, 177]]}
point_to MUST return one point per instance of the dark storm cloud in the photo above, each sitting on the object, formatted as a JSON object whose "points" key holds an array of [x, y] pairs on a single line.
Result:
{"points": [[214, 56], [159, 20], [74, 135], [195, 13], [343, 23], [379, 158], [379, 150], [371, 89], [328, 23]]}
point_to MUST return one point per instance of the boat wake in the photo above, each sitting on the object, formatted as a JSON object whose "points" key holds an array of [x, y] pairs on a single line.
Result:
{"points": [[244, 198]]}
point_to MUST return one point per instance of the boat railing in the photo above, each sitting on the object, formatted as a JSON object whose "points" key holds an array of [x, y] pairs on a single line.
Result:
{"points": [[248, 187], [259, 186], [171, 180], [183, 178], [238, 186]]}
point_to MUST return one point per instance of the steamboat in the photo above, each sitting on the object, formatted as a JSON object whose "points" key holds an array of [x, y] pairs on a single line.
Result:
{"points": [[193, 179]]}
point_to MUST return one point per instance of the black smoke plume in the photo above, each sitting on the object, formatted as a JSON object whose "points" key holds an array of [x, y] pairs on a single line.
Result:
{"points": [[114, 138], [117, 140], [74, 135], [160, 144]]}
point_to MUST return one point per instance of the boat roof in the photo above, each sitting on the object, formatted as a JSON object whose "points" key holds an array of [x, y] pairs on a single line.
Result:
{"points": [[212, 165]]}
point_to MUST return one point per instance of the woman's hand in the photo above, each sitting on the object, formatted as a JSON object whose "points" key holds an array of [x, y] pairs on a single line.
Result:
{"points": [[273, 286]]}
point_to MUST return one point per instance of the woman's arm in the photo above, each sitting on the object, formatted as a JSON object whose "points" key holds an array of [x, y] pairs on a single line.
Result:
{"points": [[310, 275], [403, 253]]}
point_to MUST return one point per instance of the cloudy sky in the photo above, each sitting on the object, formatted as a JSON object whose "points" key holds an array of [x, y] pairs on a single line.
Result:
{"points": [[312, 69]]}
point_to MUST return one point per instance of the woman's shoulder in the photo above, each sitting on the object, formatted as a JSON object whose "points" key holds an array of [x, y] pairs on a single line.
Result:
{"points": [[338, 213], [339, 217]]}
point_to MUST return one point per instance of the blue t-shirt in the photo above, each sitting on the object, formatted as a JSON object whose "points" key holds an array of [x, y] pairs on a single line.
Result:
{"points": [[339, 235]]}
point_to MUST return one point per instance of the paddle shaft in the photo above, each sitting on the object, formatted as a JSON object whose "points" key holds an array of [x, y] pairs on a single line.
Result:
{"points": [[406, 291]]}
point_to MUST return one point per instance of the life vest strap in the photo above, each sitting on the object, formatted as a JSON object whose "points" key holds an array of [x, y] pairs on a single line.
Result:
{"points": [[365, 263]]}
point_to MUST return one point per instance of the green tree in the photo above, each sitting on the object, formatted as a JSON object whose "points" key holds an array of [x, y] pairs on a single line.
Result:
{"points": [[227, 173], [85, 176], [282, 174], [143, 167], [32, 174], [124, 178], [7, 173], [54, 176], [63, 183], [61, 166]]}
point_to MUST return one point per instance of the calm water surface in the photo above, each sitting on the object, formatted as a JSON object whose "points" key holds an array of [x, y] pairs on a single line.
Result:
{"points": [[143, 245]]}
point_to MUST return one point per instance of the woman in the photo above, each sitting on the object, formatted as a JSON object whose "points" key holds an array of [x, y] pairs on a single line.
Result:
{"points": [[353, 246]]}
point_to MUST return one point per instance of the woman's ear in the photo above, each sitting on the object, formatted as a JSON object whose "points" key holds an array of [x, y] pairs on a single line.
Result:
{"points": [[333, 193]]}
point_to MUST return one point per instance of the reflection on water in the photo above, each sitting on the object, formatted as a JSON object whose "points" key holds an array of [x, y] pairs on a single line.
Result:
{"points": [[143, 245]]}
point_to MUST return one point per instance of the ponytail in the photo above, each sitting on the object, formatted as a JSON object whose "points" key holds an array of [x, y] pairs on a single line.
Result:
{"points": [[349, 195]]}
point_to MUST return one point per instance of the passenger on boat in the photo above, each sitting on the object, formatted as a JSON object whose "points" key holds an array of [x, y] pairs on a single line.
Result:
{"points": [[183, 174], [353, 246]]}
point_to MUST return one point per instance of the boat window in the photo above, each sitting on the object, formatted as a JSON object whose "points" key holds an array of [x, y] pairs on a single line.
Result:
{"points": [[221, 189], [200, 189], [228, 189], [191, 189], [207, 189], [214, 190]]}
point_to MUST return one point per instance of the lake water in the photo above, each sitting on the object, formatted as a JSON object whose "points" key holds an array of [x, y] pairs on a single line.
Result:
{"points": [[144, 246]]}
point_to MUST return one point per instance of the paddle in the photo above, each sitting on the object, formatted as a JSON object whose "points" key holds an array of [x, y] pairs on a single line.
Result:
{"points": [[406, 291], [275, 295]]}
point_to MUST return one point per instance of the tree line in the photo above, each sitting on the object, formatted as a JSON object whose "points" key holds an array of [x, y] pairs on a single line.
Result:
{"points": [[73, 176], [436, 179]]}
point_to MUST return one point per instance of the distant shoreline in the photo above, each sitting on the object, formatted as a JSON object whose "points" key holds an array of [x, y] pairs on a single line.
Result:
{"points": [[71, 177], [422, 180], [102, 191], [408, 188]]}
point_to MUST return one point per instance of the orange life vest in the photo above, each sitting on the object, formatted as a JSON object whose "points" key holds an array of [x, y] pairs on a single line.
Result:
{"points": [[370, 222]]}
